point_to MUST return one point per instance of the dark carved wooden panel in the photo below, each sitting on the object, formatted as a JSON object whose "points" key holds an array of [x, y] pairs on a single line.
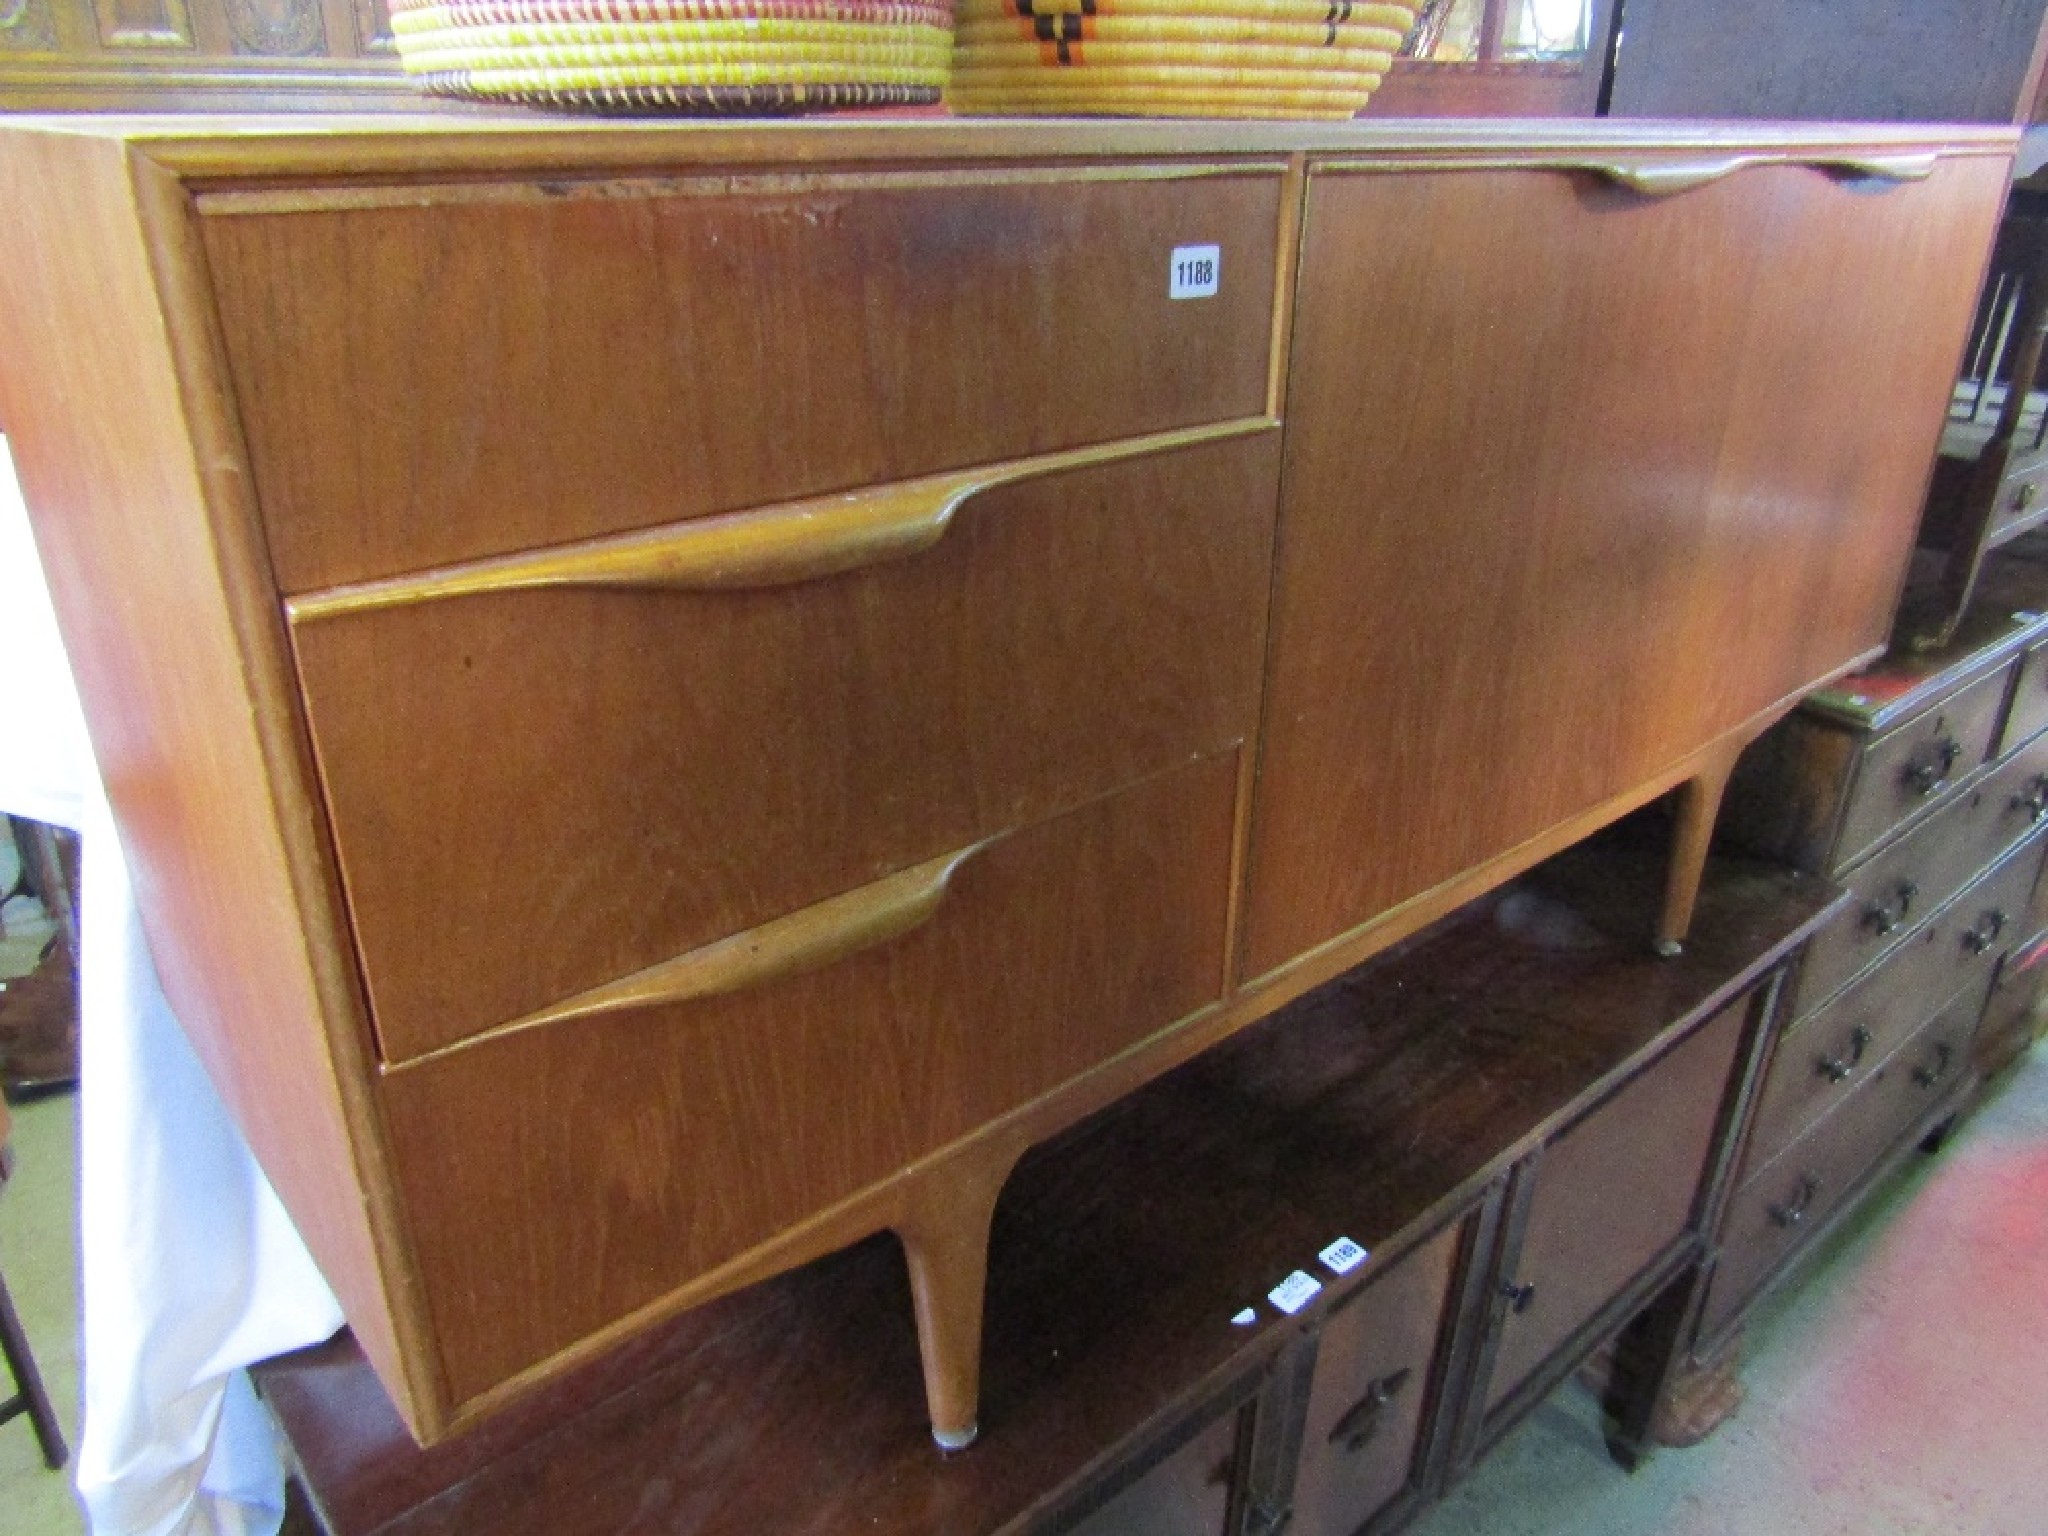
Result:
{"points": [[144, 23], [201, 55], [27, 25], [281, 27], [373, 27]]}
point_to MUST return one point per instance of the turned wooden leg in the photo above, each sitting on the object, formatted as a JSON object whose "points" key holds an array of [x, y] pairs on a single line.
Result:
{"points": [[1699, 802], [944, 1230]]}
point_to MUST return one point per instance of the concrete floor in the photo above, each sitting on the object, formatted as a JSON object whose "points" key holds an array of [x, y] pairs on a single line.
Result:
{"points": [[1899, 1387]]}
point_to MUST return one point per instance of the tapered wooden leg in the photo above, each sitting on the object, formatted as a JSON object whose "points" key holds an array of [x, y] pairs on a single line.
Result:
{"points": [[1699, 802], [944, 1230]]}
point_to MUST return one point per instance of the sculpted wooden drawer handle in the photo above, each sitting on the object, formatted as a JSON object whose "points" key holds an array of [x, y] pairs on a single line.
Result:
{"points": [[770, 547], [1665, 177], [831, 930]]}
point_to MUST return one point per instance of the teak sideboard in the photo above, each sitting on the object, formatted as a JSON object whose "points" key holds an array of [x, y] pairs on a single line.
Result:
{"points": [[679, 695]]}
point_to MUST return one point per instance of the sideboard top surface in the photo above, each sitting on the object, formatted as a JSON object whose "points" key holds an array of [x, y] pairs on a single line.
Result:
{"points": [[234, 148]]}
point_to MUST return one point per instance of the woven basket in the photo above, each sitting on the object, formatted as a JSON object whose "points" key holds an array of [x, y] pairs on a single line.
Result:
{"points": [[1173, 58], [699, 56]]}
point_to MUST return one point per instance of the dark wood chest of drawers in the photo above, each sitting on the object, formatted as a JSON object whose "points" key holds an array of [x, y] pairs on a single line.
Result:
{"points": [[1922, 786]]}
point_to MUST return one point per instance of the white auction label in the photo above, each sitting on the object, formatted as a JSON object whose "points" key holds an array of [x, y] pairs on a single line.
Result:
{"points": [[1195, 272], [1294, 1293], [1343, 1256]]}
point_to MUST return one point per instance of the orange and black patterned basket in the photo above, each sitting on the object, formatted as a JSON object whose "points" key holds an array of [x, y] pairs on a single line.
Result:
{"points": [[1173, 58], [693, 56]]}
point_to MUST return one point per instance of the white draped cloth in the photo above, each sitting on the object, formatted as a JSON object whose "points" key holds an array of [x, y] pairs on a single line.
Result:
{"points": [[192, 1270]]}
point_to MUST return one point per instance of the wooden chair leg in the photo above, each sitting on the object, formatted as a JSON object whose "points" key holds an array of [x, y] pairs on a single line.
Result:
{"points": [[29, 1396], [1699, 803], [944, 1230]]}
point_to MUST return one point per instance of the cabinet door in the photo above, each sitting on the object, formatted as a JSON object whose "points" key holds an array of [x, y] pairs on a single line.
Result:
{"points": [[1187, 1494], [1372, 1384], [1577, 480], [1608, 1197]]}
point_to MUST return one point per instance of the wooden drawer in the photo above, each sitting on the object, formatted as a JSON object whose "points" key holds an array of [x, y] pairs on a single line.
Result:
{"points": [[1823, 1059], [2015, 797], [1794, 1194], [1919, 872], [2022, 496], [433, 374], [560, 1178], [539, 792], [1892, 895], [1610, 1196], [1372, 1383], [1900, 772], [2027, 715]]}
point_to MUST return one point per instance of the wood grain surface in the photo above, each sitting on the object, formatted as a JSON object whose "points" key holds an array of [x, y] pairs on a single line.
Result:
{"points": [[613, 356], [297, 356], [1515, 573], [564, 1177], [189, 699], [1614, 1192], [683, 766]]}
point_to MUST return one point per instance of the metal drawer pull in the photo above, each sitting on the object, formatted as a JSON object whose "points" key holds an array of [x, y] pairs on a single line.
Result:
{"points": [[1519, 1295], [2035, 801], [1361, 1421], [1935, 1071], [1663, 178], [1984, 933], [1881, 919], [1793, 1212], [769, 547], [1925, 778], [1836, 1068]]}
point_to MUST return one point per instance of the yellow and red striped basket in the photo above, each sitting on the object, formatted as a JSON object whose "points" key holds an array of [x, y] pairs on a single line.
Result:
{"points": [[699, 56], [1173, 58]]}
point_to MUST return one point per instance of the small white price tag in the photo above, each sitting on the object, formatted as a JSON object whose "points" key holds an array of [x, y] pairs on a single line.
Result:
{"points": [[1245, 1318], [1294, 1293], [1195, 272], [1343, 1256]]}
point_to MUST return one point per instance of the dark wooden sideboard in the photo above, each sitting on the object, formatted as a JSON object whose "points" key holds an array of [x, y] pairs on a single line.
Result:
{"points": [[1523, 1118], [680, 695]]}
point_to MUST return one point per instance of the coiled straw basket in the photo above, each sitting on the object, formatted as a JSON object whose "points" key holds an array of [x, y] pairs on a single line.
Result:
{"points": [[699, 56], [1173, 58]]}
